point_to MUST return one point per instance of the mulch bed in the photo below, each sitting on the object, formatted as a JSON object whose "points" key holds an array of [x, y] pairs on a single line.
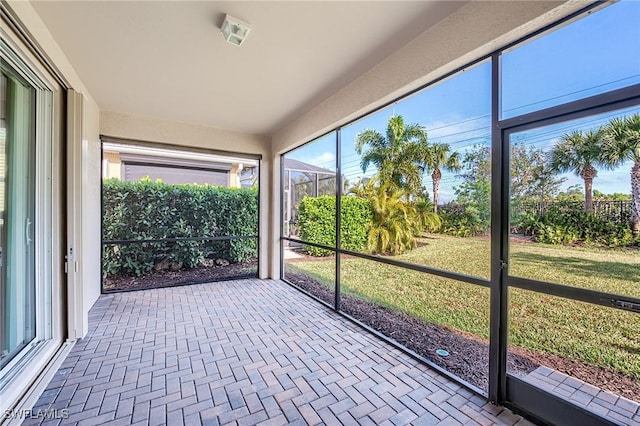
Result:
{"points": [[468, 355], [167, 278]]}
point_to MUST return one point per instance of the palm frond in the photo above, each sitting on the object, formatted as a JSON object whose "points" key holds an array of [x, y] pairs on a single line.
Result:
{"points": [[622, 141]]}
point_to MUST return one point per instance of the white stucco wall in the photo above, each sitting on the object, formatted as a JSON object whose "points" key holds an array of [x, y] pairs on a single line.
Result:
{"points": [[125, 126]]}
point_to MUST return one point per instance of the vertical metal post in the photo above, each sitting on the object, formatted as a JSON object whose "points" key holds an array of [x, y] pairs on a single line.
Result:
{"points": [[338, 214], [291, 199], [282, 232], [316, 184], [102, 176], [621, 217], [499, 231], [260, 228]]}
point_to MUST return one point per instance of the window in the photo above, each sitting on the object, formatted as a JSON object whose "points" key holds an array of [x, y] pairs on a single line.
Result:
{"points": [[593, 55]]}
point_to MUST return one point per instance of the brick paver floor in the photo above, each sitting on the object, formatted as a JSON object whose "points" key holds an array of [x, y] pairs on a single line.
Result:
{"points": [[614, 407], [245, 352]]}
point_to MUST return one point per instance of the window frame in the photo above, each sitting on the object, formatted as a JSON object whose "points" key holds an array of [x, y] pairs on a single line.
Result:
{"points": [[48, 333]]}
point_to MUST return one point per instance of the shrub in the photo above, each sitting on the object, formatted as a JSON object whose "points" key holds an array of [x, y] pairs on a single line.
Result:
{"points": [[235, 212], [395, 224], [428, 220], [463, 220], [566, 223], [153, 210], [317, 223], [354, 219], [396, 221]]}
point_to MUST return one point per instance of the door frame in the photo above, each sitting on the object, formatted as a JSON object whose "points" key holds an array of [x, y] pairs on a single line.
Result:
{"points": [[505, 389], [27, 368]]}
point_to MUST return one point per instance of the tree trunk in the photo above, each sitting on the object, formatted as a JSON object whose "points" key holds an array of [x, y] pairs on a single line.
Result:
{"points": [[635, 199], [587, 173], [588, 195], [436, 176]]}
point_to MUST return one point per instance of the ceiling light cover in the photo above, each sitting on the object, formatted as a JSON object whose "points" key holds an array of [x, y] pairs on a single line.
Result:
{"points": [[234, 30]]}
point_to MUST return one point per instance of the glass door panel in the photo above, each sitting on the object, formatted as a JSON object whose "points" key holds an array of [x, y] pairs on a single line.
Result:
{"points": [[574, 254], [587, 354], [574, 217], [17, 216]]}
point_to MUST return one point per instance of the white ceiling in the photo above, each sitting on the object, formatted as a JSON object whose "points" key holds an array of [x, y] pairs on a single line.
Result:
{"points": [[169, 60]]}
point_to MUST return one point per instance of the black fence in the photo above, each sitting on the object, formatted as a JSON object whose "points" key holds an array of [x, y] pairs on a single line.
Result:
{"points": [[139, 264], [615, 211]]}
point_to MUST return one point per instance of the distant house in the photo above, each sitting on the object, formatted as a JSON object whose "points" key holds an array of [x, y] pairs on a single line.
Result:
{"points": [[301, 180], [132, 163]]}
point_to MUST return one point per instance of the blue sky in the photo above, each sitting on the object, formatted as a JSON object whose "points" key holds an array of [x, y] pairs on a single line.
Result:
{"points": [[598, 53]]}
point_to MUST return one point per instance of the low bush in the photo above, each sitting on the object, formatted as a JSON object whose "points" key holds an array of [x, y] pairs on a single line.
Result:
{"points": [[146, 210], [317, 223], [462, 220], [569, 224]]}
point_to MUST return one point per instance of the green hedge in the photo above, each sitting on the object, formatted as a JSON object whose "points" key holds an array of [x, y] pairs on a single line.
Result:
{"points": [[154, 210], [317, 222], [568, 223]]}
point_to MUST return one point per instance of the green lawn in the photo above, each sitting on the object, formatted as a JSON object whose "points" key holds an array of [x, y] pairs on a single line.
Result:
{"points": [[576, 330]]}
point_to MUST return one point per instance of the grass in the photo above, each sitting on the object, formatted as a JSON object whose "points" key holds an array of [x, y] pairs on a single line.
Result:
{"points": [[592, 334]]}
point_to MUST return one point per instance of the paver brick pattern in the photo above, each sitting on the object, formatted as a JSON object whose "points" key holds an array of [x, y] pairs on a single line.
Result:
{"points": [[616, 408], [245, 352]]}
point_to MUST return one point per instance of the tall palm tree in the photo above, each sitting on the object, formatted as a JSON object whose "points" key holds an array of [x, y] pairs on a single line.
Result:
{"points": [[437, 158], [579, 152], [395, 154], [622, 143]]}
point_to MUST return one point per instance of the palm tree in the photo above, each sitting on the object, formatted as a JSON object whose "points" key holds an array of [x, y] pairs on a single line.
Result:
{"points": [[579, 152], [622, 143], [394, 223], [438, 157], [396, 154], [428, 219]]}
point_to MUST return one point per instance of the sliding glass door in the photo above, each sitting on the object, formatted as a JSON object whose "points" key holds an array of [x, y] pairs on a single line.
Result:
{"points": [[17, 216], [31, 215]]}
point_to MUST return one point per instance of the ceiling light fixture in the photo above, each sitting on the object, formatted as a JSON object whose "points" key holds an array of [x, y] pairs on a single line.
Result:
{"points": [[234, 30]]}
